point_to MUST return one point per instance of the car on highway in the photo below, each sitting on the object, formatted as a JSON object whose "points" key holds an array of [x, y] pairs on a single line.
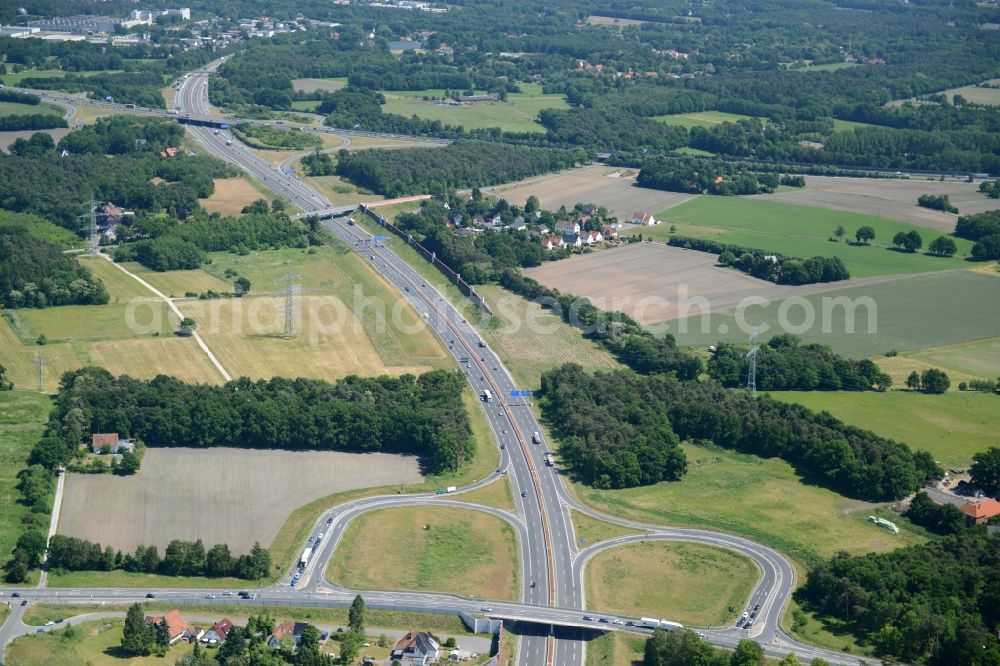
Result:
{"points": [[227, 593], [616, 621], [329, 521], [24, 603], [587, 618], [604, 620], [629, 623], [757, 607], [50, 623], [533, 585], [150, 595], [486, 609], [524, 493], [16, 595], [209, 596]]}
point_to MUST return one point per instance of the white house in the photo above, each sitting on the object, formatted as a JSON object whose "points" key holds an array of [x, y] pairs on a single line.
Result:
{"points": [[644, 218], [416, 647], [566, 227]]}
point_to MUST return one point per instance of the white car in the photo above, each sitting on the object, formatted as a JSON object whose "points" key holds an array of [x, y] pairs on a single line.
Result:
{"points": [[616, 621]]}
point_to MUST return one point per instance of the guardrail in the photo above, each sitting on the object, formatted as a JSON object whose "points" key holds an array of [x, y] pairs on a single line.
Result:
{"points": [[452, 276]]}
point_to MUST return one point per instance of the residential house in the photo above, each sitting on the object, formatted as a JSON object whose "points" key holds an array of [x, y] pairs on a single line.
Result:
{"points": [[591, 237], [552, 242], [416, 647], [169, 152], [177, 626], [572, 240], [518, 224], [110, 440], [566, 227], [610, 233], [981, 511], [589, 209], [217, 634], [466, 231], [478, 221], [644, 218], [286, 630], [457, 219]]}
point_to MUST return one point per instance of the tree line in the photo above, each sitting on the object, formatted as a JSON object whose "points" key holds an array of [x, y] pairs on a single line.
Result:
{"points": [[458, 165], [683, 647], [769, 266], [984, 229], [785, 364], [709, 177], [30, 121], [824, 450], [34, 273], [937, 602], [180, 558], [421, 415]]}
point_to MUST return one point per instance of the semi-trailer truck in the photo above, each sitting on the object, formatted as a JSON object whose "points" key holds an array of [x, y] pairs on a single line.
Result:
{"points": [[304, 560], [487, 396]]}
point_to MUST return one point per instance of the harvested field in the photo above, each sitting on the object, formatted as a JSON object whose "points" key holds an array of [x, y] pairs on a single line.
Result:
{"points": [[312, 85], [245, 334], [121, 287], [612, 21], [894, 199], [139, 317], [651, 282], [531, 340], [591, 184], [220, 495], [176, 283], [230, 196]]}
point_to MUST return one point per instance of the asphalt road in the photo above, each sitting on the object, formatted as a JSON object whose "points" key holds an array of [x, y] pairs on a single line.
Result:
{"points": [[552, 567]]}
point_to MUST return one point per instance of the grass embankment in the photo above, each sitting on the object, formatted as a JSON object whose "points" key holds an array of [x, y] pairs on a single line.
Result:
{"points": [[127, 579], [952, 426], [685, 582], [497, 494], [447, 550], [15, 109], [590, 530], [803, 231], [616, 648], [887, 316], [761, 499], [22, 421]]}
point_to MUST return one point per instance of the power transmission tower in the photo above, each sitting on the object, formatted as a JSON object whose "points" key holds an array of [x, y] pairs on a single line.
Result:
{"points": [[91, 226], [289, 294], [752, 365]]}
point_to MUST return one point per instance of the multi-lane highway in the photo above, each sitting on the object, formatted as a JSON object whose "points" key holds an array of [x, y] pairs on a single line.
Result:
{"points": [[551, 564]]}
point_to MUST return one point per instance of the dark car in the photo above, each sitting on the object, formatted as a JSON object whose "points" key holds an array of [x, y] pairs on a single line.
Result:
{"points": [[150, 595], [16, 595], [604, 620], [757, 607], [629, 623], [24, 603], [524, 493]]}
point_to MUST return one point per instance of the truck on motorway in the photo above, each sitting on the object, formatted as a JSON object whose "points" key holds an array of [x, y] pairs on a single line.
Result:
{"points": [[445, 491], [172, 112], [550, 460], [487, 396], [649, 622], [306, 554], [670, 626]]}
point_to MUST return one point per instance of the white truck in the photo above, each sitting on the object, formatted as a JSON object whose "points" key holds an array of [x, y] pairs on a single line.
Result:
{"points": [[550, 460], [304, 560], [487, 396], [649, 622]]}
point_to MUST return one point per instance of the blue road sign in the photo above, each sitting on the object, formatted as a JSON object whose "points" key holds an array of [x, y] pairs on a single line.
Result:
{"points": [[520, 394], [381, 238]]}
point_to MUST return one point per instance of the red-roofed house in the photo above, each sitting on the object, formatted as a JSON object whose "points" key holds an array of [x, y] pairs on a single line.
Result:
{"points": [[981, 511], [177, 626], [566, 227], [217, 634], [552, 242], [644, 218], [286, 630], [100, 441]]}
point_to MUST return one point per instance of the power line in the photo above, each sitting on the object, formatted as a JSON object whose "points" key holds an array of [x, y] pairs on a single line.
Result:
{"points": [[41, 364], [289, 294], [91, 226], [752, 365]]}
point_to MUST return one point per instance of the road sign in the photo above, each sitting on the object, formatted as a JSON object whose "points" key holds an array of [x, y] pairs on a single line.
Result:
{"points": [[520, 394], [381, 238]]}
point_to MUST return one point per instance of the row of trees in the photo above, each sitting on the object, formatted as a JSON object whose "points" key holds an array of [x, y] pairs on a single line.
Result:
{"points": [[418, 415], [180, 558], [30, 121], [709, 177], [826, 451], [937, 202], [931, 381], [937, 602], [458, 165], [683, 647], [35, 273], [784, 364], [984, 229]]}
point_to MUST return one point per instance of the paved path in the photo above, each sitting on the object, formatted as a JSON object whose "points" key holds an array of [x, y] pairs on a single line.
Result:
{"points": [[53, 524]]}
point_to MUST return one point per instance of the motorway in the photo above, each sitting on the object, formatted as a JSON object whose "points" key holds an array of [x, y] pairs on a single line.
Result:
{"points": [[552, 589]]}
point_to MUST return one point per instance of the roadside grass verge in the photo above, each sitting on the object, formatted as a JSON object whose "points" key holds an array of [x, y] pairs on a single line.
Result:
{"points": [[684, 582], [590, 530], [616, 648], [497, 494], [22, 421], [761, 499], [952, 426], [448, 550], [127, 579]]}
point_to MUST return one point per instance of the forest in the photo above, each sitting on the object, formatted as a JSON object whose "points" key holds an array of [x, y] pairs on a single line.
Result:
{"points": [[785, 364], [702, 176], [684, 647], [935, 603], [34, 273], [180, 558], [461, 164], [824, 450], [421, 416]]}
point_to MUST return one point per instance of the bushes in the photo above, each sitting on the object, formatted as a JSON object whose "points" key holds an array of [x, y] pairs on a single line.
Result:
{"points": [[32, 121], [941, 519], [976, 227], [162, 254], [707, 176], [936, 202]]}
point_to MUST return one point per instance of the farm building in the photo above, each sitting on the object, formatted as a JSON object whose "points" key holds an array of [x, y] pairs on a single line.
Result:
{"points": [[979, 512]]}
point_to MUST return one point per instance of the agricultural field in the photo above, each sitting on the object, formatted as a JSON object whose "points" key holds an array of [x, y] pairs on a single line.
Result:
{"points": [[341, 192], [230, 196], [988, 94], [517, 114], [448, 550], [761, 499], [89, 323], [610, 187], [706, 119], [176, 283], [953, 426], [532, 340], [612, 21], [15, 78], [326, 85], [122, 288], [974, 360], [803, 231], [22, 420], [14, 109], [688, 583], [209, 493], [348, 319], [895, 199], [889, 315], [652, 282]]}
